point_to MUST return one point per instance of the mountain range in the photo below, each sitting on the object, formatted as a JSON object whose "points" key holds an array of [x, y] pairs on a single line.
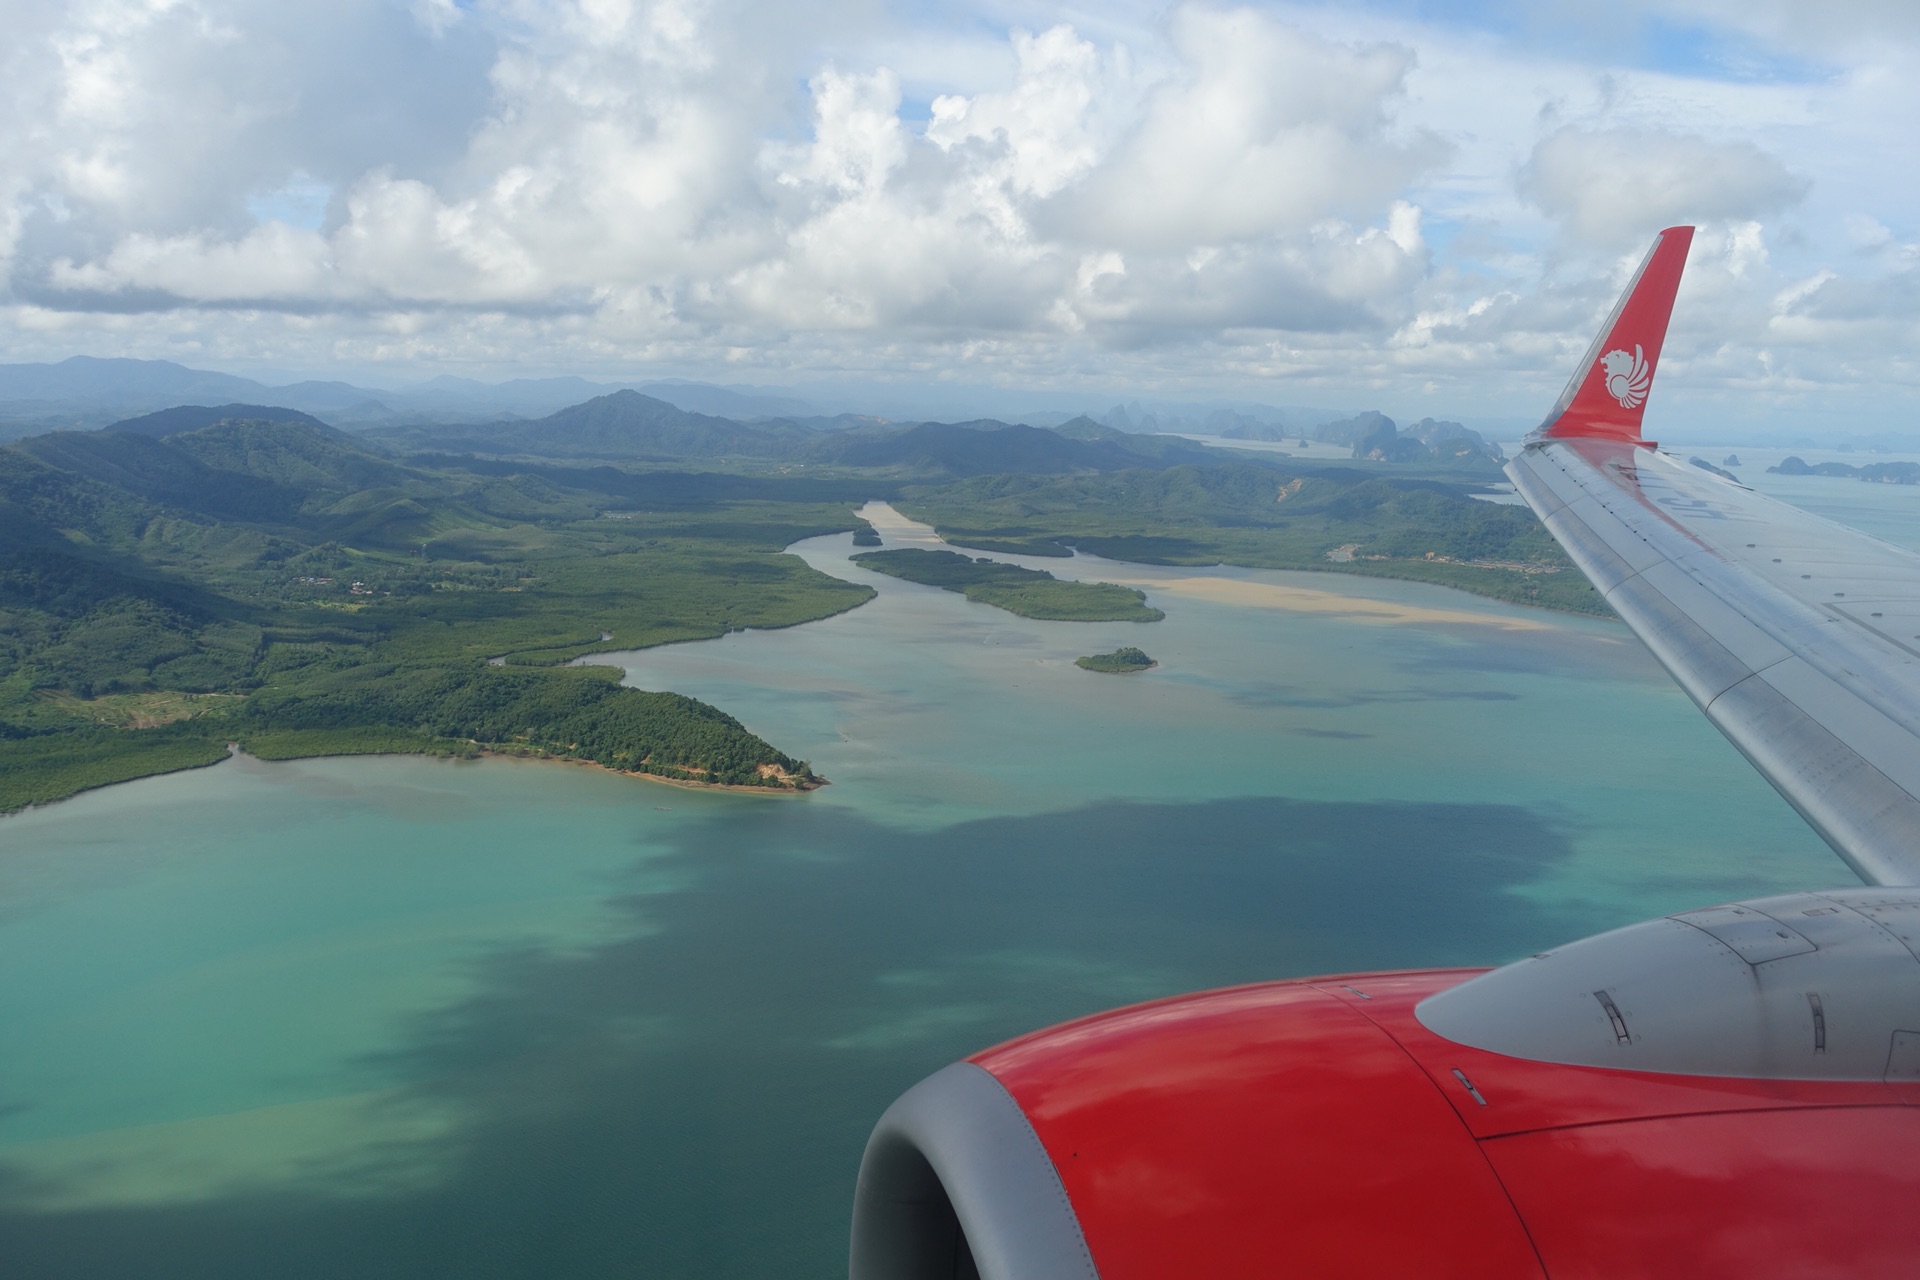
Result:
{"points": [[629, 426], [86, 391]]}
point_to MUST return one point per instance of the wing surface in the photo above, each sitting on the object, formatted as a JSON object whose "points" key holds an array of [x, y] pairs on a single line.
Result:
{"points": [[1798, 637]]}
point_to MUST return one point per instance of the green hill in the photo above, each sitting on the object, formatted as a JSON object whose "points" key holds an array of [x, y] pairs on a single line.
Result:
{"points": [[192, 417]]}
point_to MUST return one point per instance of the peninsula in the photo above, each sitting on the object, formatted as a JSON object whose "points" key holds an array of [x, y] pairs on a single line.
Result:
{"points": [[173, 586], [1031, 593]]}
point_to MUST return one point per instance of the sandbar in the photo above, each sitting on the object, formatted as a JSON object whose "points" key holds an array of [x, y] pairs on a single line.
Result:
{"points": [[1272, 595]]}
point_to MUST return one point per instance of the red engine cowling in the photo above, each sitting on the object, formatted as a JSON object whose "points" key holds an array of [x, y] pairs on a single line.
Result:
{"points": [[1319, 1128]]}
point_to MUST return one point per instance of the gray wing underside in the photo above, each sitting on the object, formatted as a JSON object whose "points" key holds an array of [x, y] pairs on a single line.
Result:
{"points": [[1798, 637]]}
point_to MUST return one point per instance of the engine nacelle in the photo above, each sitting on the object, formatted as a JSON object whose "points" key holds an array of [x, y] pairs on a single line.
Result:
{"points": [[1181, 1138], [1328, 1127], [955, 1184], [1807, 986]]}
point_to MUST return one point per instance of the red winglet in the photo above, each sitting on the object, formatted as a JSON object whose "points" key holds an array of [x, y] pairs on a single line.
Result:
{"points": [[1608, 394]]}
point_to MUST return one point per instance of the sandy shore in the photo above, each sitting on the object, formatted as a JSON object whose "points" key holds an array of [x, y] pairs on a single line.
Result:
{"points": [[1269, 595], [1201, 585], [691, 784]]}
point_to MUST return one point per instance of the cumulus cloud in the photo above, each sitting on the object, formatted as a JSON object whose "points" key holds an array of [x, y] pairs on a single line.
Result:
{"points": [[1082, 199], [272, 262], [153, 115], [618, 154], [1266, 129], [1046, 121], [1615, 186]]}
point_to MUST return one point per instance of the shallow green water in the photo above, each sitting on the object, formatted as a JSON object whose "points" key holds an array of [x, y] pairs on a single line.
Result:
{"points": [[409, 1018]]}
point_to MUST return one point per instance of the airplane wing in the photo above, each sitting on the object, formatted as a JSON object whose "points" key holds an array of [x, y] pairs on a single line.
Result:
{"points": [[1798, 637]]}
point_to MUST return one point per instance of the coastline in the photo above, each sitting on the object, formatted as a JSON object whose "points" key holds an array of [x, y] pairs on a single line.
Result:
{"points": [[1192, 582], [690, 784], [1195, 581], [234, 751]]}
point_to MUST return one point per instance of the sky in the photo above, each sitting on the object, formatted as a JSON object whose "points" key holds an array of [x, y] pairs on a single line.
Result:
{"points": [[1427, 207]]}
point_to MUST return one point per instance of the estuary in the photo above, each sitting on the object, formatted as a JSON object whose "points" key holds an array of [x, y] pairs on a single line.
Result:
{"points": [[403, 1017]]}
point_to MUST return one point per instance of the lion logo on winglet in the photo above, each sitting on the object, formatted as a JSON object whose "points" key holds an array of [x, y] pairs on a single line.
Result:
{"points": [[1628, 377]]}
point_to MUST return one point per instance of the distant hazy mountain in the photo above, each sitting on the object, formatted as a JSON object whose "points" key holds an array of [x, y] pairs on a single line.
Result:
{"points": [[991, 448], [1168, 449], [630, 423], [1880, 472], [835, 422], [1231, 419], [538, 397], [726, 402], [1351, 431], [1238, 428], [192, 417], [86, 392], [1375, 436], [92, 380], [622, 425], [627, 425]]}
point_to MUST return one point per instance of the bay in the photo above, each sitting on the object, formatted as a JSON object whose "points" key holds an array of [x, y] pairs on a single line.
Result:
{"points": [[400, 1017]]}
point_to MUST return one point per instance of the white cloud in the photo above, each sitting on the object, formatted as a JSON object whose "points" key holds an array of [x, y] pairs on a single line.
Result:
{"points": [[1265, 129], [272, 262], [619, 154], [858, 138], [1045, 120], [1618, 186]]}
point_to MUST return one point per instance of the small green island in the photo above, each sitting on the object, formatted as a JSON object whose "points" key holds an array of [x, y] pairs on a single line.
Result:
{"points": [[1121, 662], [1031, 593]]}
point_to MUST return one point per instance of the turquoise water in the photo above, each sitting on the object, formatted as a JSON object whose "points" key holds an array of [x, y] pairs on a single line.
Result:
{"points": [[1888, 511], [411, 1018]]}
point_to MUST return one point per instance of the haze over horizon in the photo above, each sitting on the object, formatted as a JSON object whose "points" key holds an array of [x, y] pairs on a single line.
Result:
{"points": [[1423, 207]]}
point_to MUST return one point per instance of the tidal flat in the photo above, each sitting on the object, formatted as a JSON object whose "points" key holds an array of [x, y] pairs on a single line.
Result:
{"points": [[402, 1017]]}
